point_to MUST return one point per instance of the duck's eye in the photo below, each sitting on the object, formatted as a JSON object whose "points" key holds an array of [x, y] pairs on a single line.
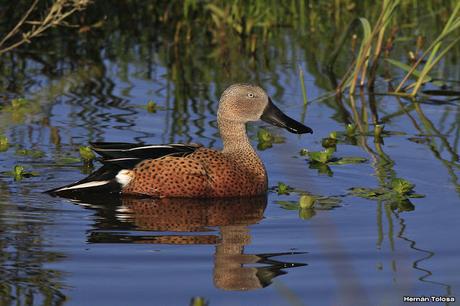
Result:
{"points": [[251, 95]]}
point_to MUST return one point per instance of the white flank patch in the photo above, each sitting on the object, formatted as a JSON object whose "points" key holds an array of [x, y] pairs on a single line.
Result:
{"points": [[85, 185], [124, 177]]}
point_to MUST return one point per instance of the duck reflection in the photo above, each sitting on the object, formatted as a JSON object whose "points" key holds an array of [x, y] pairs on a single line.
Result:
{"points": [[193, 219]]}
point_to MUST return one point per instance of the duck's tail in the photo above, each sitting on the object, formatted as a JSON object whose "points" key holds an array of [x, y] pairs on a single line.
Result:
{"points": [[108, 180]]}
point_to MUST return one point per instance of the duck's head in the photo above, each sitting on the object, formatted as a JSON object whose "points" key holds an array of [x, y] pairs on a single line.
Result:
{"points": [[244, 102]]}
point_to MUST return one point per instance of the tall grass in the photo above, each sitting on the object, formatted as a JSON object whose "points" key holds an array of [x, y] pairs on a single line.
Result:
{"points": [[370, 49], [436, 54], [364, 67]]}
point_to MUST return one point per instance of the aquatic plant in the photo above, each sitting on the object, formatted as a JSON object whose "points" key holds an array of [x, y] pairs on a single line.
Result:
{"points": [[282, 188], [19, 172], [152, 107], [370, 49], [266, 139], [364, 67], [396, 193], [198, 301], [30, 153], [434, 53], [304, 89], [4, 143], [307, 204], [86, 154]]}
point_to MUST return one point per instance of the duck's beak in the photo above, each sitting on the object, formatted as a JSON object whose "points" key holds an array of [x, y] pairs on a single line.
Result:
{"points": [[275, 116]]}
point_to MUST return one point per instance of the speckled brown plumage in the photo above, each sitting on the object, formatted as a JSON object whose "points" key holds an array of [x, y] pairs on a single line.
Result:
{"points": [[204, 173]]}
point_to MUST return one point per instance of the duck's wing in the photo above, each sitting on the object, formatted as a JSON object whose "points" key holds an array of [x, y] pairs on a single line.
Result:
{"points": [[118, 156], [127, 155]]}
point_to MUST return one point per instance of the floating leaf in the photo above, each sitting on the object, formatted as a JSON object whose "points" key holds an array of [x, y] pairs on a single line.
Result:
{"points": [[198, 301], [152, 107], [4, 143], [320, 156], [306, 201], [329, 142], [19, 172], [68, 160], [31, 153], [283, 188], [267, 139], [306, 213], [350, 129], [303, 152], [402, 186], [349, 160], [264, 136], [86, 154]]}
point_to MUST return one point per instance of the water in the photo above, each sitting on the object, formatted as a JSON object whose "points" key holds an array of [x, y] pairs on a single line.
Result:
{"points": [[113, 251]]}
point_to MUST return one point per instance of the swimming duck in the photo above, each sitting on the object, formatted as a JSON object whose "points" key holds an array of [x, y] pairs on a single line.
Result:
{"points": [[190, 170]]}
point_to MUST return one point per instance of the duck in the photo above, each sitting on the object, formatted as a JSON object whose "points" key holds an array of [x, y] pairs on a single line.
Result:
{"points": [[191, 170]]}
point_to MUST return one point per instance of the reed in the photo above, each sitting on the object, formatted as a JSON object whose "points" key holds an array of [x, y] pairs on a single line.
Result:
{"points": [[370, 49], [435, 53]]}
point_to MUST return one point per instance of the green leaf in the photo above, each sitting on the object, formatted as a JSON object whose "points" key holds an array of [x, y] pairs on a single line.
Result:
{"points": [[306, 201], [86, 154], [306, 213], [320, 156], [329, 142], [283, 188], [350, 129], [31, 153], [69, 160], [264, 136], [152, 107], [416, 73], [401, 186], [4, 143], [349, 160], [303, 152]]}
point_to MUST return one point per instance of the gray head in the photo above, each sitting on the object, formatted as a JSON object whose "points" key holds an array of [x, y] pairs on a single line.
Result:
{"points": [[244, 102]]}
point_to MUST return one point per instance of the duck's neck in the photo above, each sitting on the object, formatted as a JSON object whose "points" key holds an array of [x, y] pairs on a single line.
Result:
{"points": [[237, 146]]}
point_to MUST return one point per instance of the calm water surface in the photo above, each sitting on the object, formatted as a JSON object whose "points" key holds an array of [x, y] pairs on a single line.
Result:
{"points": [[114, 251]]}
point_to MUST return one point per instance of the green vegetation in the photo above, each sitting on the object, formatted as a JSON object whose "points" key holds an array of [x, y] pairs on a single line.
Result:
{"points": [[86, 154], [397, 194], [265, 139], [308, 204], [30, 153], [152, 107], [19, 172], [198, 301], [4, 143]]}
